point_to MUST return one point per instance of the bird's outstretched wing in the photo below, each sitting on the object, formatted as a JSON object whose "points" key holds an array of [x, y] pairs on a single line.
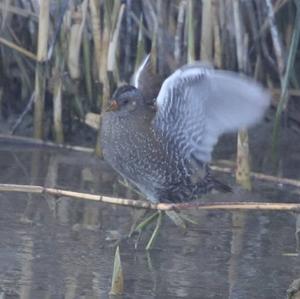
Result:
{"points": [[197, 104], [147, 80]]}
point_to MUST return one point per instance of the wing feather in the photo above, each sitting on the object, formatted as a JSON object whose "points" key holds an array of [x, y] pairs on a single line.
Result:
{"points": [[197, 104], [147, 80]]}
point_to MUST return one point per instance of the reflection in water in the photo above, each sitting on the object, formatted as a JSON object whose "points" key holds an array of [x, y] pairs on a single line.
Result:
{"points": [[59, 247], [26, 266], [238, 230]]}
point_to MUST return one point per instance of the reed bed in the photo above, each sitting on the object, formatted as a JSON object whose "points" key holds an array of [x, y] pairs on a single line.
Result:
{"points": [[61, 60]]}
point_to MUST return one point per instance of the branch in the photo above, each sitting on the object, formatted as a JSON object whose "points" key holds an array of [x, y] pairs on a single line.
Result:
{"points": [[261, 176], [231, 206], [23, 141]]}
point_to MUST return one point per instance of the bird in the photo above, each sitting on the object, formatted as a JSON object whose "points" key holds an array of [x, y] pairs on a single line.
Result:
{"points": [[159, 136]]}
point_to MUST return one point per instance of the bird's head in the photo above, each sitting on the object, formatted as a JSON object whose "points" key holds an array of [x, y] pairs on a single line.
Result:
{"points": [[126, 98]]}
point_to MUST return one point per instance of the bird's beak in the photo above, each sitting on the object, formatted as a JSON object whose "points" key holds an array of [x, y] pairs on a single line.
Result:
{"points": [[113, 106]]}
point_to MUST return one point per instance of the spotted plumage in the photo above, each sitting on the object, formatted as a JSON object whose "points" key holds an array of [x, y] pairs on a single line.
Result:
{"points": [[164, 151]]}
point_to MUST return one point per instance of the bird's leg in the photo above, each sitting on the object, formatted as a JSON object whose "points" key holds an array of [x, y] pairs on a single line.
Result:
{"points": [[185, 218], [142, 226], [139, 228], [156, 230], [177, 218]]}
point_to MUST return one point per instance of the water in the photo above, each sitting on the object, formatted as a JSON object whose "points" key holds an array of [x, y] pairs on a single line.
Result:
{"points": [[64, 248]]}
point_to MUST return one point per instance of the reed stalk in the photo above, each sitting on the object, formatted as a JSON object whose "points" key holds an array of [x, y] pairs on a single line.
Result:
{"points": [[206, 43], [57, 109], [243, 160], [178, 42], [75, 40], [40, 71], [286, 78], [87, 63], [191, 34], [217, 43]]}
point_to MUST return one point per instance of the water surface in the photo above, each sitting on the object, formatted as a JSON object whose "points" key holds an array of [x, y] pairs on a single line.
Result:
{"points": [[64, 248]]}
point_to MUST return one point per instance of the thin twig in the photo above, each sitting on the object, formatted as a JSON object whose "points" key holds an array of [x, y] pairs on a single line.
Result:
{"points": [[18, 11], [231, 206], [146, 32], [21, 117], [261, 176], [58, 24], [18, 48], [18, 140], [275, 38], [179, 31]]}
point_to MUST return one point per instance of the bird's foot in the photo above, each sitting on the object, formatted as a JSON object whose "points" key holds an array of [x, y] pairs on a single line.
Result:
{"points": [[139, 228], [156, 230], [179, 219]]}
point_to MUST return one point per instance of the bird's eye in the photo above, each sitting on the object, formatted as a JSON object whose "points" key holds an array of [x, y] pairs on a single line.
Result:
{"points": [[125, 102]]}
